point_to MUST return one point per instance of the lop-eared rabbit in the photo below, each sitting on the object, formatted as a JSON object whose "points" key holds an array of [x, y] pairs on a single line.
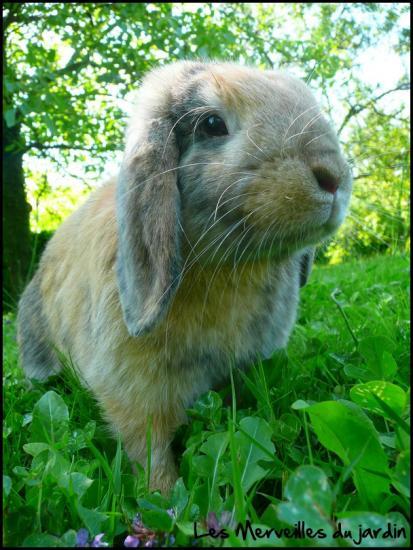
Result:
{"points": [[191, 261]]}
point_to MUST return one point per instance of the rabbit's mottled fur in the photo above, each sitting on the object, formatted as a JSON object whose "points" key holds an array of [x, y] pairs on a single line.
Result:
{"points": [[192, 259]]}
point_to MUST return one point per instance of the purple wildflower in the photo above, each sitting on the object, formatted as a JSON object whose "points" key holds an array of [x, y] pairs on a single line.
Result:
{"points": [[97, 541], [212, 521], [81, 538], [131, 542], [144, 536], [225, 520]]}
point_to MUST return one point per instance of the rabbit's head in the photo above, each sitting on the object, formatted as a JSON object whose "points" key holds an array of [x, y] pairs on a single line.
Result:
{"points": [[222, 164]]}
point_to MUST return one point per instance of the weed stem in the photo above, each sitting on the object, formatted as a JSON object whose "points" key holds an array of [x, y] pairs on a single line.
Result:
{"points": [[341, 310]]}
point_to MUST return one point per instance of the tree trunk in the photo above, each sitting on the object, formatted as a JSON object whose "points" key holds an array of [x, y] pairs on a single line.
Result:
{"points": [[16, 227]]}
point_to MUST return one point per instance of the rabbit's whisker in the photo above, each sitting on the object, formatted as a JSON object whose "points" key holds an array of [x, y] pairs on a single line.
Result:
{"points": [[297, 117], [207, 228], [314, 119], [222, 194], [233, 271], [300, 134], [253, 142], [253, 156], [213, 225], [224, 256], [233, 228], [317, 137], [252, 192], [262, 240], [271, 227], [138, 184], [212, 214]]}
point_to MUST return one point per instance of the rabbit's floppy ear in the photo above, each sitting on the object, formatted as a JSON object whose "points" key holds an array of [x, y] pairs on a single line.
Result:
{"points": [[148, 209], [306, 264]]}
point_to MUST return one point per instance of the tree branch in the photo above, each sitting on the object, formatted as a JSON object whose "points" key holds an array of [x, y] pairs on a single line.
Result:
{"points": [[11, 17], [63, 146], [356, 109], [361, 176]]}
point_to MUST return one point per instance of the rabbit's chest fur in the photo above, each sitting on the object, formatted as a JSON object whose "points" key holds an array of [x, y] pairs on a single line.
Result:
{"points": [[213, 323], [231, 316]]}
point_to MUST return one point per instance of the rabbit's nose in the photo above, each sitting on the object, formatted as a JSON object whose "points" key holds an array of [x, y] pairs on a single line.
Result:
{"points": [[325, 179]]}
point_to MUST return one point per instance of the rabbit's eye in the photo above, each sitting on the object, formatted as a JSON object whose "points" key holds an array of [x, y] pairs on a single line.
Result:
{"points": [[214, 126]]}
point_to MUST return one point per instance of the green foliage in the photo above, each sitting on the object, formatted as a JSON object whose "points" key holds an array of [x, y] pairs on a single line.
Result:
{"points": [[310, 499], [394, 396], [317, 434], [344, 430], [379, 218]]}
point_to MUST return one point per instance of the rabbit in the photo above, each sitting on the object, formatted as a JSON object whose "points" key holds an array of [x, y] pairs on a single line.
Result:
{"points": [[192, 258]]}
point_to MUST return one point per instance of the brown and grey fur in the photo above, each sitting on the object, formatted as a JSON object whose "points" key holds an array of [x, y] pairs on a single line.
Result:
{"points": [[193, 258]]}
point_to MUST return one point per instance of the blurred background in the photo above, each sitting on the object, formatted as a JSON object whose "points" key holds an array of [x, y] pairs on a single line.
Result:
{"points": [[70, 71]]}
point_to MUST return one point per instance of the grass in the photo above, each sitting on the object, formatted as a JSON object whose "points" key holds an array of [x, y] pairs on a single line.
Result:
{"points": [[318, 434]]}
